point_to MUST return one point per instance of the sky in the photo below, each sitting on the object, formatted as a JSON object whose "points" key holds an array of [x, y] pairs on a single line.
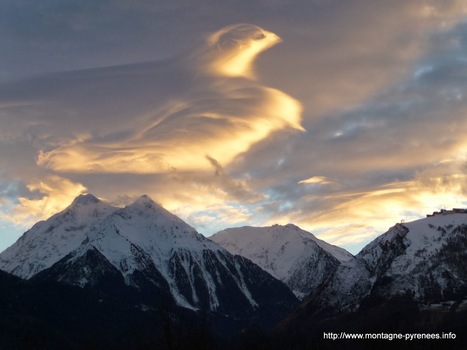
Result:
{"points": [[342, 117]]}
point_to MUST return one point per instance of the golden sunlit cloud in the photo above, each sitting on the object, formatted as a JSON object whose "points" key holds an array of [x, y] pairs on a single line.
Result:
{"points": [[214, 216], [320, 180], [56, 193], [220, 116], [235, 48], [356, 217]]}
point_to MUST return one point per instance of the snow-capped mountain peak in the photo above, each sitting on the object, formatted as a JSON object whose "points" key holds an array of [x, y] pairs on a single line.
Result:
{"points": [[289, 253], [145, 202], [49, 241], [85, 199], [145, 207], [85, 208]]}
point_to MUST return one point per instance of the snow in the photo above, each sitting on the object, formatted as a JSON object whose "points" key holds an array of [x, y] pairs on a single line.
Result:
{"points": [[422, 238], [408, 258], [276, 248], [49, 241], [160, 234], [412, 257], [339, 253], [283, 251], [240, 281], [211, 285], [144, 235], [131, 238]]}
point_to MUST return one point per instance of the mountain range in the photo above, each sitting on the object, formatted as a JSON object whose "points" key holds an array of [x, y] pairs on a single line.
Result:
{"points": [[144, 252], [155, 272]]}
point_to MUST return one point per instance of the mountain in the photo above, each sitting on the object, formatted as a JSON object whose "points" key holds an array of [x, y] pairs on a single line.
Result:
{"points": [[145, 253], [423, 260], [410, 280], [49, 241], [290, 254]]}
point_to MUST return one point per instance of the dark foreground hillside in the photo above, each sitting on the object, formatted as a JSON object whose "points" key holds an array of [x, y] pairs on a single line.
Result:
{"points": [[39, 315], [55, 316], [377, 318]]}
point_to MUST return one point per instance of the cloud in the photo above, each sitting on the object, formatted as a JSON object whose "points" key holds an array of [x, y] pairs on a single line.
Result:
{"points": [[319, 180], [211, 130], [356, 217], [237, 189], [154, 118], [353, 51], [49, 196], [161, 128], [397, 157], [213, 218], [235, 47]]}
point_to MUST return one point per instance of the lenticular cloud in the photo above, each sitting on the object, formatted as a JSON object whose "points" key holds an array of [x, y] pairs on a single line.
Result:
{"points": [[163, 116]]}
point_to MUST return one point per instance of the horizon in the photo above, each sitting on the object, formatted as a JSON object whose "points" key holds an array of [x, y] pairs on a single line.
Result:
{"points": [[341, 118]]}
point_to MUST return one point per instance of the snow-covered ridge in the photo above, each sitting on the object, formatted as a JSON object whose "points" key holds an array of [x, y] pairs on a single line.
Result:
{"points": [[424, 256], [424, 259], [289, 253]]}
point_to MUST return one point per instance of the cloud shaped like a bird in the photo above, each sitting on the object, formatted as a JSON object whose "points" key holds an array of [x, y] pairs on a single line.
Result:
{"points": [[160, 116]]}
